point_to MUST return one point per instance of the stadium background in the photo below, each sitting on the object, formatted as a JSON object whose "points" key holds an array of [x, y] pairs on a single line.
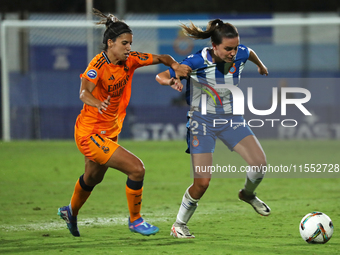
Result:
{"points": [[45, 64], [37, 174]]}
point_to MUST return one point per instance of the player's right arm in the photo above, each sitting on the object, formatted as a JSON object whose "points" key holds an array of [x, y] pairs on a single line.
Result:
{"points": [[85, 95]]}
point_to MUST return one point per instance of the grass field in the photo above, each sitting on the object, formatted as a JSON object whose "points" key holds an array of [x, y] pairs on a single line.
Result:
{"points": [[38, 177]]}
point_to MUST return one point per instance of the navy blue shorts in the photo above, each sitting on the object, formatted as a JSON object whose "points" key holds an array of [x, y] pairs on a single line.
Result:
{"points": [[204, 129]]}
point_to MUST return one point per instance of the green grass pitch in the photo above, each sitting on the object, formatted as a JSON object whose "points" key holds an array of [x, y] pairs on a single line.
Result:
{"points": [[38, 177]]}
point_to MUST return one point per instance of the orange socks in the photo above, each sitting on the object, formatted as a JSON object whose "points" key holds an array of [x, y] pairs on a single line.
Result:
{"points": [[133, 191], [79, 196], [134, 199]]}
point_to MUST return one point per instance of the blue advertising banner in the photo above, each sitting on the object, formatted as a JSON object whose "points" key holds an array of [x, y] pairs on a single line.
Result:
{"points": [[58, 58]]}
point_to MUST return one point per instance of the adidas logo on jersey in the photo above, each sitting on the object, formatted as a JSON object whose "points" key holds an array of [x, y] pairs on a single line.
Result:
{"points": [[111, 78]]}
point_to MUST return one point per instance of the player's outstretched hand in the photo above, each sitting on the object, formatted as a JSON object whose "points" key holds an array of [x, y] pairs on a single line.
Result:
{"points": [[176, 84], [263, 70], [103, 106]]}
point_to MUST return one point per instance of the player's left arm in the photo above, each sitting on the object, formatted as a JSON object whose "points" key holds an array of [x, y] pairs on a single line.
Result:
{"points": [[262, 69], [164, 78], [180, 70]]}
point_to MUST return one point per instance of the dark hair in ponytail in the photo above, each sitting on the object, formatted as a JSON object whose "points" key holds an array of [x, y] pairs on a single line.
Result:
{"points": [[114, 27], [216, 30]]}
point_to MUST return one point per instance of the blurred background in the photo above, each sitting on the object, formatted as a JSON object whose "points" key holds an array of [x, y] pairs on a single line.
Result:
{"points": [[45, 45]]}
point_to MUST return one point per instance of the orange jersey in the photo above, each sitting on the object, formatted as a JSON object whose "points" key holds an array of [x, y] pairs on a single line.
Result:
{"points": [[113, 80]]}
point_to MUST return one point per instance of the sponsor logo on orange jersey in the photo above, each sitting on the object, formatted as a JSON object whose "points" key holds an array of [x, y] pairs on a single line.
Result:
{"points": [[92, 74], [119, 86]]}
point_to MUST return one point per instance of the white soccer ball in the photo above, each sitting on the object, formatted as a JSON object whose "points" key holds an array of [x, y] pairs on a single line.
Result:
{"points": [[316, 227]]}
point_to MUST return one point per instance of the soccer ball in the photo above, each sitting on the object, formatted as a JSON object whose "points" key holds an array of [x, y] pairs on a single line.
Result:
{"points": [[316, 227]]}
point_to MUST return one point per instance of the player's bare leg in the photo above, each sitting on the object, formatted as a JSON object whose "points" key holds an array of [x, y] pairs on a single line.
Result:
{"points": [[251, 151]]}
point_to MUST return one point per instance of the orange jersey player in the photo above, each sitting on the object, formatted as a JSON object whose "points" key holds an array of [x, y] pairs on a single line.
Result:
{"points": [[105, 91], [113, 82]]}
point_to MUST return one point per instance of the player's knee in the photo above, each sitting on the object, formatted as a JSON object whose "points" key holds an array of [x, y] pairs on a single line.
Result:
{"points": [[138, 171], [259, 161], [203, 185]]}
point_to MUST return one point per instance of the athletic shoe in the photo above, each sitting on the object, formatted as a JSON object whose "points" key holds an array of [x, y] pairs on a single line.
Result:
{"points": [[180, 231], [259, 206], [71, 221], [142, 227]]}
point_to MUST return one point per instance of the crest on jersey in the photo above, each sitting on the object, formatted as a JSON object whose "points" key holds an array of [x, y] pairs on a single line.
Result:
{"points": [[232, 69], [92, 74], [105, 149], [195, 141]]}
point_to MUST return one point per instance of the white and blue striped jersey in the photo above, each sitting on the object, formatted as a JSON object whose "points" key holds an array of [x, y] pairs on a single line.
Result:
{"points": [[206, 74]]}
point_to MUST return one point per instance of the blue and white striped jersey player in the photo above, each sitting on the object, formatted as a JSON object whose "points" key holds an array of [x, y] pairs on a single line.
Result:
{"points": [[220, 64]]}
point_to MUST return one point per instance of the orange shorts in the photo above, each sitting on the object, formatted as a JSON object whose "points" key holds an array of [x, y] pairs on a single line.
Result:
{"points": [[97, 147]]}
